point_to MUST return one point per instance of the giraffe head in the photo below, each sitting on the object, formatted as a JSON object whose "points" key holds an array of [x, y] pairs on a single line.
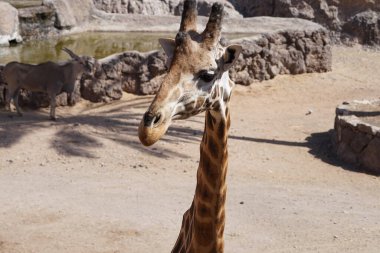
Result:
{"points": [[197, 78]]}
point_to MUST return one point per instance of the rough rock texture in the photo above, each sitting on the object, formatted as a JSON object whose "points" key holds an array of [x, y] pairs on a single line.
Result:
{"points": [[159, 7], [70, 13], [286, 52], [365, 27], [333, 14], [37, 22], [204, 9], [152, 7], [348, 20], [133, 72], [9, 25], [357, 134]]}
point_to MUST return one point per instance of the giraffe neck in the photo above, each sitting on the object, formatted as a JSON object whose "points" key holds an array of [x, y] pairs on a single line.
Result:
{"points": [[203, 224]]}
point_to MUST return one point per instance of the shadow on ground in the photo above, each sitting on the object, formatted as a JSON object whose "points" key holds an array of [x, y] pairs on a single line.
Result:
{"points": [[319, 144], [78, 135]]}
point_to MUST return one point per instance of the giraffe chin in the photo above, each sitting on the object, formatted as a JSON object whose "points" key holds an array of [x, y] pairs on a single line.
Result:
{"points": [[150, 135]]}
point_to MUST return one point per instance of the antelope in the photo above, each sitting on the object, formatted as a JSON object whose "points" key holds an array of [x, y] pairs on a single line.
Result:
{"points": [[49, 77]]}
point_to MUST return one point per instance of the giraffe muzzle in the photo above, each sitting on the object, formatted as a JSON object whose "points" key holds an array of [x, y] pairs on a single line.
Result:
{"points": [[152, 127]]}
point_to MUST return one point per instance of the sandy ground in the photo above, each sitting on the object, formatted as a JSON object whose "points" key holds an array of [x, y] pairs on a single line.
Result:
{"points": [[84, 184]]}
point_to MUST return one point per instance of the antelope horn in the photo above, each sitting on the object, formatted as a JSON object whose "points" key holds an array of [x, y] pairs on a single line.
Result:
{"points": [[189, 16], [71, 53], [211, 34]]}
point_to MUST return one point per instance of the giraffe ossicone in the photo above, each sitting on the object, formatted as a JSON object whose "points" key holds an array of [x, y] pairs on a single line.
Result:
{"points": [[198, 81]]}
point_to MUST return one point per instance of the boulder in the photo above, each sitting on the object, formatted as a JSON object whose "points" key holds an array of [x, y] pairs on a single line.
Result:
{"points": [[297, 47], [9, 25], [333, 14], [37, 22], [132, 72], [159, 7], [70, 13], [364, 27], [357, 134], [146, 7], [204, 9]]}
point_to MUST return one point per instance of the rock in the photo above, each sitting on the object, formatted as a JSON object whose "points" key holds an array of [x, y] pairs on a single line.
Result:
{"points": [[9, 25], [283, 52], [364, 27], [70, 13], [370, 158], [133, 72], [2, 87], [159, 7], [357, 141], [333, 14], [253, 8], [204, 9], [37, 22], [146, 7]]}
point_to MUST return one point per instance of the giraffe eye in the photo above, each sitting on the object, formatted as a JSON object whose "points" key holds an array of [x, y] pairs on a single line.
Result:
{"points": [[207, 75]]}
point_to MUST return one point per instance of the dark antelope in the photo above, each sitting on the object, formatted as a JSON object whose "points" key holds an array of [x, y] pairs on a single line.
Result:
{"points": [[49, 77]]}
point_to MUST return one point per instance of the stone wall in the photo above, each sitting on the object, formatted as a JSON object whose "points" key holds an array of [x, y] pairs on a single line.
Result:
{"points": [[264, 56], [285, 52], [282, 46], [357, 134]]}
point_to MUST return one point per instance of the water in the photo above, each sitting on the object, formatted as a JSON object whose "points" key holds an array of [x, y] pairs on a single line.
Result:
{"points": [[96, 44], [23, 3]]}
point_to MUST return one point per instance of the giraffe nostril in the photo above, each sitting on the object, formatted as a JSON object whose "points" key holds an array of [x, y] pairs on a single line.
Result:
{"points": [[157, 119], [150, 119]]}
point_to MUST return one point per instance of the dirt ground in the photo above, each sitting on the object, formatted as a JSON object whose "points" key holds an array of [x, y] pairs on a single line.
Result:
{"points": [[84, 184]]}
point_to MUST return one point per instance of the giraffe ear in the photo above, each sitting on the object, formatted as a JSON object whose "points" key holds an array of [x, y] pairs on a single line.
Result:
{"points": [[230, 56], [168, 45]]}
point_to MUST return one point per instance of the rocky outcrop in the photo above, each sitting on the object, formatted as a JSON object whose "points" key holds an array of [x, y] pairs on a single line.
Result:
{"points": [[364, 27], [357, 134], [348, 20], [204, 9], [152, 7], [159, 7], [70, 13], [37, 22], [352, 17], [9, 30]]}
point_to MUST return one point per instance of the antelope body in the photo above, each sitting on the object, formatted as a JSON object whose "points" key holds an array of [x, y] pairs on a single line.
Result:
{"points": [[49, 77]]}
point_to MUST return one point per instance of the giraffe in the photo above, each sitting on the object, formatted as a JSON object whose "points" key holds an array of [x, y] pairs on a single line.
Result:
{"points": [[198, 81]]}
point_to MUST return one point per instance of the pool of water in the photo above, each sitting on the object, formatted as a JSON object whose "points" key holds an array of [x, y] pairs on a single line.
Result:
{"points": [[94, 44], [97, 44], [23, 3]]}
